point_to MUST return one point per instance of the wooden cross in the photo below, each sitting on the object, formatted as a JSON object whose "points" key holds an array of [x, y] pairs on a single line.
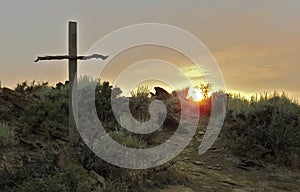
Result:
{"points": [[72, 57]]}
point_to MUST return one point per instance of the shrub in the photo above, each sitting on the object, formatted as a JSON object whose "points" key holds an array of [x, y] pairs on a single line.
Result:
{"points": [[104, 92], [114, 186], [268, 126], [51, 111], [44, 161], [24, 87], [170, 176], [48, 113], [127, 140], [139, 103], [67, 181], [6, 135], [37, 165]]}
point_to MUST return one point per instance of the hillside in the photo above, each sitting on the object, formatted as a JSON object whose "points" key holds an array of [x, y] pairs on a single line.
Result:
{"points": [[35, 154]]}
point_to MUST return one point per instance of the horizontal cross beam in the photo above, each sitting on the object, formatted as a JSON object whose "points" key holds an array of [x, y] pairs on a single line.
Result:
{"points": [[61, 57]]}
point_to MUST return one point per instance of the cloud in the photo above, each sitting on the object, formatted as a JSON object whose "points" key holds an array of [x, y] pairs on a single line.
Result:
{"points": [[254, 69]]}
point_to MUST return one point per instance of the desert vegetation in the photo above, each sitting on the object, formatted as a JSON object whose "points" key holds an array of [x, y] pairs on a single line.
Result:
{"points": [[6, 135], [266, 128], [36, 156]]}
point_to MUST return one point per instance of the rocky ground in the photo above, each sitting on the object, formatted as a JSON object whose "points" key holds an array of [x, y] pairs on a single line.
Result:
{"points": [[218, 170]]}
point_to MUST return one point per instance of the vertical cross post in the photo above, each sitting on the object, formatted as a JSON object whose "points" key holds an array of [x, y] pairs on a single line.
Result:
{"points": [[73, 98], [73, 101]]}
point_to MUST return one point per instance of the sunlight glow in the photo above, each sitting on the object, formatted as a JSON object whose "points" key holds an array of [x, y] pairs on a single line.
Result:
{"points": [[195, 94]]}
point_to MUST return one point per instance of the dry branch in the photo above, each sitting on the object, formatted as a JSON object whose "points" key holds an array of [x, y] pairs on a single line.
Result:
{"points": [[61, 57]]}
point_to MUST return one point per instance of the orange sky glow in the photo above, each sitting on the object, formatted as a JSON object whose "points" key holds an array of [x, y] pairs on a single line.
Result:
{"points": [[255, 43]]}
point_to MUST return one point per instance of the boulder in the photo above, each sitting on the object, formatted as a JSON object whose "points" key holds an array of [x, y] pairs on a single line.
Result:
{"points": [[161, 93]]}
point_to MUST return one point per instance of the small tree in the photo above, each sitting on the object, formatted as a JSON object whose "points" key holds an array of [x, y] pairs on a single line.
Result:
{"points": [[205, 89]]}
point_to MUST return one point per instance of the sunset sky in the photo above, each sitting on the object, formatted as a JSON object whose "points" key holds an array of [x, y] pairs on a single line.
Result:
{"points": [[256, 42]]}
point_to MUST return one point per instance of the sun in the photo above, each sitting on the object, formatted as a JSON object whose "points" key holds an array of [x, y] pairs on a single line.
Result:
{"points": [[195, 94]]}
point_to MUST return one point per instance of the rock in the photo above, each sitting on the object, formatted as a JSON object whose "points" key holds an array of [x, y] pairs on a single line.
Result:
{"points": [[246, 165], [218, 168], [217, 150], [161, 93], [215, 167], [186, 158], [101, 180], [181, 169], [198, 162], [243, 167], [196, 174], [201, 133], [229, 183]]}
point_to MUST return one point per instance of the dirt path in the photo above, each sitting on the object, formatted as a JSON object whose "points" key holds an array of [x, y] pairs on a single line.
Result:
{"points": [[217, 170]]}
